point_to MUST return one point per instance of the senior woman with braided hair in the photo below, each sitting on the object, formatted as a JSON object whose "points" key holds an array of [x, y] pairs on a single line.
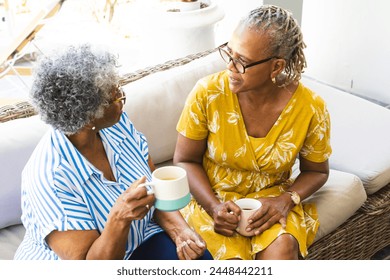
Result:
{"points": [[79, 188], [239, 135]]}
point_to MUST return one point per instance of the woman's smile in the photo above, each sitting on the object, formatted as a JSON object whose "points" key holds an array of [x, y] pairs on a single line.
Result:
{"points": [[234, 82]]}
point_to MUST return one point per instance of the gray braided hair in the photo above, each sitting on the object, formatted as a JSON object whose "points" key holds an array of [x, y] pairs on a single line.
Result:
{"points": [[286, 37]]}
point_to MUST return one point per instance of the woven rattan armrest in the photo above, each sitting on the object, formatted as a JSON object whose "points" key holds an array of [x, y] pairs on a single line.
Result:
{"points": [[131, 77], [378, 203], [25, 109], [362, 235], [15, 111]]}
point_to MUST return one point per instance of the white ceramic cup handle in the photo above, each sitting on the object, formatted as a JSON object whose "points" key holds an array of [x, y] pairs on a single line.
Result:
{"points": [[147, 184]]}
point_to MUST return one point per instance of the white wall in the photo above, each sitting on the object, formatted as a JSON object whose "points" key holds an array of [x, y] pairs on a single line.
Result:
{"points": [[234, 11], [348, 45], [294, 6]]}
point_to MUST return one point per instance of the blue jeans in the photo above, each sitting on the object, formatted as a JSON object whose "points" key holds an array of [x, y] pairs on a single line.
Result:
{"points": [[160, 247]]}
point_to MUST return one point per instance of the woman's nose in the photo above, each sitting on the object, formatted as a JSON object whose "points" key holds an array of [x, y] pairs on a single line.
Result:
{"points": [[231, 66]]}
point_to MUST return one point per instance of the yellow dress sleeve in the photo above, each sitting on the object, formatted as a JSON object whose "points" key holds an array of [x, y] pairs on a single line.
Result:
{"points": [[193, 120], [317, 146]]}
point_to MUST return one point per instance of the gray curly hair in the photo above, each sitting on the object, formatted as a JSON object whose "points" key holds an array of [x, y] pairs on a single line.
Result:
{"points": [[286, 37], [72, 87]]}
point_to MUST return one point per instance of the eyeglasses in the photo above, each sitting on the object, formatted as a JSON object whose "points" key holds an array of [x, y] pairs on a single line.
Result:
{"points": [[120, 99], [227, 57]]}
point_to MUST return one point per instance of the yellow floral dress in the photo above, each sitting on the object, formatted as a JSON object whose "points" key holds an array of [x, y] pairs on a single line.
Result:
{"points": [[240, 166]]}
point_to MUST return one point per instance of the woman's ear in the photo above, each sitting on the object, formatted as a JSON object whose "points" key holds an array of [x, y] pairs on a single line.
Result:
{"points": [[278, 67]]}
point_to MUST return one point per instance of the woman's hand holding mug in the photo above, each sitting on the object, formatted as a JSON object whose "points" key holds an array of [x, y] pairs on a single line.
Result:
{"points": [[134, 203]]}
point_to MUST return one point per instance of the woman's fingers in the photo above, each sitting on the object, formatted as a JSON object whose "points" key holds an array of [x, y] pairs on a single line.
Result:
{"points": [[135, 202], [195, 248], [226, 218], [136, 193], [265, 222], [188, 250]]}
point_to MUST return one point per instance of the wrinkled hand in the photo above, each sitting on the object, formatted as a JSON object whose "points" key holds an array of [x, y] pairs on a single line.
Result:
{"points": [[189, 245], [133, 204], [273, 210], [226, 217]]}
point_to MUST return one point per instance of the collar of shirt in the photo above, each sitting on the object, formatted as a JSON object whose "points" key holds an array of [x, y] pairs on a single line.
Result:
{"points": [[112, 140]]}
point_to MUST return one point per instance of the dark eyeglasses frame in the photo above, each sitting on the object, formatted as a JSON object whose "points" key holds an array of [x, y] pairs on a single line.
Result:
{"points": [[120, 99], [222, 51]]}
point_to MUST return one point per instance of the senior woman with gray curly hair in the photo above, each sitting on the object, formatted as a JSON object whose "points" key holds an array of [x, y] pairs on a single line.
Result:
{"points": [[79, 188]]}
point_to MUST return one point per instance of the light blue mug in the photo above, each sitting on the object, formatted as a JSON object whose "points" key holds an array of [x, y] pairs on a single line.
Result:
{"points": [[170, 188]]}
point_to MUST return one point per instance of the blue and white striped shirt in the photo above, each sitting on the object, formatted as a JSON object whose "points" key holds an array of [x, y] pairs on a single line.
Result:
{"points": [[62, 191]]}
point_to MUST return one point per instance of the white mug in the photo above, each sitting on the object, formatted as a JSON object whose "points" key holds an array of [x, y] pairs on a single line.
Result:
{"points": [[248, 206], [170, 188]]}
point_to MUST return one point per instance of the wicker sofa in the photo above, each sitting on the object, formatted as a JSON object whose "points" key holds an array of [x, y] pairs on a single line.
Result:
{"points": [[353, 206]]}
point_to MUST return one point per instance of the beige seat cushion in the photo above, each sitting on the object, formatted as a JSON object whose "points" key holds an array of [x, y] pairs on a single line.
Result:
{"points": [[337, 200]]}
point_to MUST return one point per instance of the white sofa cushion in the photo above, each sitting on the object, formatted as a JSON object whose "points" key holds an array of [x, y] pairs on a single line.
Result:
{"points": [[10, 239], [154, 103], [337, 200], [360, 135], [18, 140]]}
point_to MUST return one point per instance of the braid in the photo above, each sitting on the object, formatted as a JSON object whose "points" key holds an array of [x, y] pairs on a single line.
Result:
{"points": [[286, 37]]}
